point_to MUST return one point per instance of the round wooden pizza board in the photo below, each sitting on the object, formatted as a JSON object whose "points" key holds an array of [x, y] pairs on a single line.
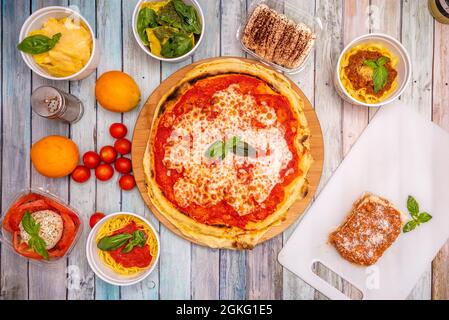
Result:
{"points": [[142, 133]]}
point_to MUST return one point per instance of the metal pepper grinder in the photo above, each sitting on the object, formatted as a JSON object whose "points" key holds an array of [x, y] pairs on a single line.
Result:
{"points": [[52, 103]]}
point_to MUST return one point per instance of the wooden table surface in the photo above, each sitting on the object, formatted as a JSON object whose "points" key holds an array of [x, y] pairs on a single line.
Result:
{"points": [[187, 271]]}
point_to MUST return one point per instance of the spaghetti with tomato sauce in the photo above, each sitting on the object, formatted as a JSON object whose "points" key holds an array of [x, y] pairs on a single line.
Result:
{"points": [[202, 94], [139, 257]]}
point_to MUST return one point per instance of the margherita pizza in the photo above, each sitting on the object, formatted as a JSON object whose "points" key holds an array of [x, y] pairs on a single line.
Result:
{"points": [[228, 153]]}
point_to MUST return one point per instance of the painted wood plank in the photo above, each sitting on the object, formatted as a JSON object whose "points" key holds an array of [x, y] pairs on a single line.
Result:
{"points": [[440, 266], [356, 23], [385, 17], [16, 137], [1, 135], [81, 279], [355, 118], [109, 31], [293, 287], [146, 71], [263, 272], [44, 284], [232, 262], [205, 262], [328, 104], [175, 258], [417, 37]]}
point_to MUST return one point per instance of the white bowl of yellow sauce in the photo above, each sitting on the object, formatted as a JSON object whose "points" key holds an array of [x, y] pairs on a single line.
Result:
{"points": [[396, 53], [58, 66]]}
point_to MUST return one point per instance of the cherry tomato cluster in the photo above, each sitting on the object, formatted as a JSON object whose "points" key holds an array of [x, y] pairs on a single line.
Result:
{"points": [[109, 155]]}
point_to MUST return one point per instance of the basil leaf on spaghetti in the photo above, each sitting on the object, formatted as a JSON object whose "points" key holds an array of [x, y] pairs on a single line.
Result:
{"points": [[113, 242], [380, 76], [138, 239]]}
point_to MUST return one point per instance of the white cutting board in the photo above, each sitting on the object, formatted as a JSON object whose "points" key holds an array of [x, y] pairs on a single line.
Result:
{"points": [[399, 154]]}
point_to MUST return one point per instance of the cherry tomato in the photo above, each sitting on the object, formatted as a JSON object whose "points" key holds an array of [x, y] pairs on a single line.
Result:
{"points": [[127, 182], [81, 174], [91, 159], [123, 146], [104, 172], [118, 130], [97, 216], [108, 154], [123, 165]]}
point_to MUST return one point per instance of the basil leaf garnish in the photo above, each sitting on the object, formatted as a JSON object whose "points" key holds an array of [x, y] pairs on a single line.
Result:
{"points": [[243, 149], [147, 19], [417, 217], [36, 243], [409, 226], [178, 44], [30, 225], [109, 243], [219, 149], [190, 20], [424, 217], [380, 77], [380, 73], [38, 43], [39, 246], [370, 63], [382, 61], [139, 239], [412, 206]]}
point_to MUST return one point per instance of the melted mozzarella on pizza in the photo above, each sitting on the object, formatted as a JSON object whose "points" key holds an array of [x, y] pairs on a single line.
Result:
{"points": [[243, 182]]}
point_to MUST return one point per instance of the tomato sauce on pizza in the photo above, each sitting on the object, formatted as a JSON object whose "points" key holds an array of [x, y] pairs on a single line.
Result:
{"points": [[226, 112]]}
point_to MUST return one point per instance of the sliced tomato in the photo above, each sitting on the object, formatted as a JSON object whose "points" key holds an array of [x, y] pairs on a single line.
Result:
{"points": [[68, 234], [23, 249], [63, 209], [16, 217], [13, 210]]}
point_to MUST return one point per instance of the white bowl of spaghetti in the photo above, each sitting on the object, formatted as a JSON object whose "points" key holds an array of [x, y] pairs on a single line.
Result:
{"points": [[123, 248]]}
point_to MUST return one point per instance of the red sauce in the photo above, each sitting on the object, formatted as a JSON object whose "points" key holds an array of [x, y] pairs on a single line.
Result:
{"points": [[201, 94], [137, 257]]}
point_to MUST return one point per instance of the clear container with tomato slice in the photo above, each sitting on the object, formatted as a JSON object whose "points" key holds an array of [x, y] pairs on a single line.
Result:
{"points": [[40, 227]]}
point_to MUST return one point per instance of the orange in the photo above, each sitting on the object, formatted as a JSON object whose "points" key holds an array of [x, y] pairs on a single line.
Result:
{"points": [[55, 156], [116, 91]]}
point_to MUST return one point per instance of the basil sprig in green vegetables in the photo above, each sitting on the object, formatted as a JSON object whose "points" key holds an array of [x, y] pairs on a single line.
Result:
{"points": [[146, 19], [39, 43], [417, 216], [36, 242], [177, 45], [109, 243], [189, 16]]}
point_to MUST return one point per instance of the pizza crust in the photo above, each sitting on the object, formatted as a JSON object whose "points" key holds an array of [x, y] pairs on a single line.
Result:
{"points": [[224, 236]]}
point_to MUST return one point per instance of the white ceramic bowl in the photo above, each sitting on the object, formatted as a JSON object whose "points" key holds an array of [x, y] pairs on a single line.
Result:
{"points": [[147, 50], [36, 20], [104, 272], [403, 68]]}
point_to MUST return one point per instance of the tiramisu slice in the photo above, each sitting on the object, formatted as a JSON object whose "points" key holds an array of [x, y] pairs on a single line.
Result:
{"points": [[277, 39]]}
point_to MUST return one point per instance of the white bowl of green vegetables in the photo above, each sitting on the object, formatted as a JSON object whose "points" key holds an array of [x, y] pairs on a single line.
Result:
{"points": [[169, 30]]}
